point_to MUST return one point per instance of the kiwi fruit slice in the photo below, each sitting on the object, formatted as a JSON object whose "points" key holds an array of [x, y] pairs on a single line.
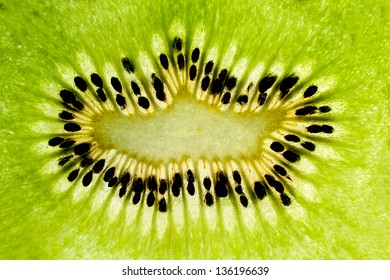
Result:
{"points": [[199, 130]]}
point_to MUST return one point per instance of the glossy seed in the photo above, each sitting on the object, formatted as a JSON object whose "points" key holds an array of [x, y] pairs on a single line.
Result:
{"points": [[73, 175], [113, 181], [150, 199], [67, 143], [162, 205], [121, 101], [87, 179], [238, 189], [274, 183], [128, 65], [221, 185], [287, 83], [237, 177], [310, 91], [152, 183], [125, 179], [226, 98], [209, 199], [109, 174], [291, 156], [99, 165], [260, 190], [67, 96], [138, 185], [82, 148], [80, 83], [231, 83], [285, 199], [191, 188], [207, 183], [308, 146], [55, 141], [280, 170], [327, 128], [314, 128], [208, 68], [205, 83], [192, 72], [96, 80], [72, 127], [195, 55], [163, 186], [292, 138], [65, 115], [266, 83], [143, 102], [164, 61], [242, 99], [116, 84], [325, 109], [135, 88], [244, 201], [277, 147], [177, 184], [178, 44], [62, 161], [136, 198], [261, 99], [102, 96], [180, 61], [308, 110]]}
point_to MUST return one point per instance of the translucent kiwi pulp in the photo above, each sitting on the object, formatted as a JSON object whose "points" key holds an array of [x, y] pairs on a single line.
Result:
{"points": [[194, 129], [260, 124]]}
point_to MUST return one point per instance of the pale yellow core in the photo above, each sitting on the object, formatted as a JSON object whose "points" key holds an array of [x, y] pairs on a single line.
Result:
{"points": [[187, 128]]}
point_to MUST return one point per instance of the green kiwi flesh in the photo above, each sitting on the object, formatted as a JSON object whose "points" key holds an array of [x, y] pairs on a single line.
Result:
{"points": [[295, 154]]}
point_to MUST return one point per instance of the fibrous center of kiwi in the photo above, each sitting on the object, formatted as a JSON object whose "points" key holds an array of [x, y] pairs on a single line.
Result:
{"points": [[181, 122]]}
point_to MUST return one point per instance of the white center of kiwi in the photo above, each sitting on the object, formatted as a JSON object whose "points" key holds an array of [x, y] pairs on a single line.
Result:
{"points": [[188, 128]]}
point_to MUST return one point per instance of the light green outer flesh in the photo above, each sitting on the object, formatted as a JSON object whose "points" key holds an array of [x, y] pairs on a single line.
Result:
{"points": [[346, 39]]}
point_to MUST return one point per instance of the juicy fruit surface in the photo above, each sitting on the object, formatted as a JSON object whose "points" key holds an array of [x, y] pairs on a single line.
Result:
{"points": [[350, 218]]}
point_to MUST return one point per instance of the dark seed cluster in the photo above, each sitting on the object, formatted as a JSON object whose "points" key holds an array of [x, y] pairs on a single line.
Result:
{"points": [[85, 166]]}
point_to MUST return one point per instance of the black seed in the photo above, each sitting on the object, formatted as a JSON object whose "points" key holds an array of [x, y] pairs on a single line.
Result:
{"points": [[308, 146], [310, 91], [207, 183], [280, 170], [231, 83], [96, 80], [195, 55], [273, 183], [80, 83], [87, 179], [99, 166], [205, 83], [121, 101], [65, 115], [78, 105], [327, 128], [122, 191], [277, 147], [222, 75], [178, 43], [266, 83], [159, 87], [85, 162], [237, 176], [190, 176], [109, 174], [138, 186], [314, 128], [238, 189], [285, 199], [306, 111], [260, 190], [208, 68], [135, 88], [164, 61], [209, 199], [180, 61], [67, 143], [161, 95], [287, 83], [150, 199], [292, 138], [73, 175], [101, 94], [113, 181], [191, 188], [325, 109], [55, 141], [162, 205], [143, 102], [64, 160], [261, 99], [116, 84], [136, 198], [220, 185], [242, 99], [125, 179], [244, 200], [176, 184], [163, 186], [82, 148], [152, 183], [67, 96], [72, 127], [192, 72], [128, 65], [291, 156], [216, 86], [226, 98]]}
